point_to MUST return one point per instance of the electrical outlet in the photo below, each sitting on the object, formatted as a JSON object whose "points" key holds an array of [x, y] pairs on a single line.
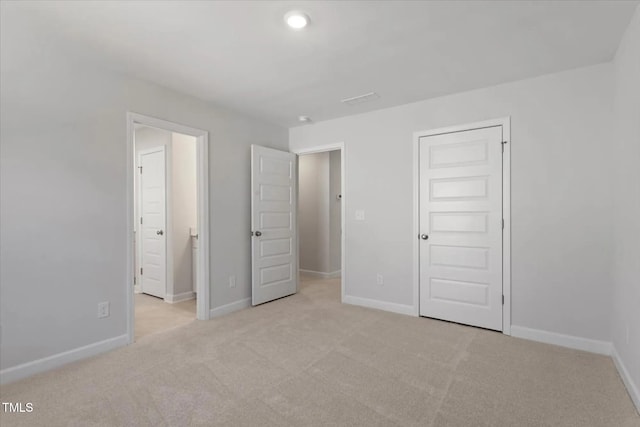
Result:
{"points": [[103, 309], [380, 279], [232, 281], [359, 215]]}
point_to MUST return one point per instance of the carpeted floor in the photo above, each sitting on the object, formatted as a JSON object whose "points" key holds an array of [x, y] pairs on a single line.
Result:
{"points": [[153, 315], [308, 360]]}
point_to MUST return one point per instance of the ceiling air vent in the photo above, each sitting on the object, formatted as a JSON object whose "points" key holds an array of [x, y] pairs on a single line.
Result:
{"points": [[371, 96]]}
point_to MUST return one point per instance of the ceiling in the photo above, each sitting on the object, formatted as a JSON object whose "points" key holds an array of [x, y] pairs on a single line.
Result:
{"points": [[242, 56]]}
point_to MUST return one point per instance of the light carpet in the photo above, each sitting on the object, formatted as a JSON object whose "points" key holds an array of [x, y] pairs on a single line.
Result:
{"points": [[153, 315], [308, 360]]}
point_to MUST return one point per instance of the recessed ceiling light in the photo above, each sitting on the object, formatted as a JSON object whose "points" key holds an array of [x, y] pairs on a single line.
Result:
{"points": [[304, 119], [296, 20]]}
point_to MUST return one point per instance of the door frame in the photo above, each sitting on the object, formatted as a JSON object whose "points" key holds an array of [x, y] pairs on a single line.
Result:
{"points": [[138, 208], [338, 146], [505, 122], [202, 177]]}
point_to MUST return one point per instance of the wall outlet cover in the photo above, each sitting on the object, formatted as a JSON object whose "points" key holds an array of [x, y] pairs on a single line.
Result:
{"points": [[103, 309]]}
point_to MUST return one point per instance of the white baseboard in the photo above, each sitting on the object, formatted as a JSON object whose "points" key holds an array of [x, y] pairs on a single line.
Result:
{"points": [[320, 275], [632, 388], [570, 341], [229, 308], [184, 296], [51, 362], [380, 305]]}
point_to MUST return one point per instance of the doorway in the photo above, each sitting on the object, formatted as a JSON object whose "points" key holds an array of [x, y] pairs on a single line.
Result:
{"points": [[165, 231], [321, 217], [462, 223], [168, 259], [319, 221]]}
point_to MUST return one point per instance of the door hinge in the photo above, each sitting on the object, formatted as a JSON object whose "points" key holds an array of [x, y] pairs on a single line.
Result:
{"points": [[503, 223], [140, 220], [141, 271], [502, 299], [140, 167], [134, 280]]}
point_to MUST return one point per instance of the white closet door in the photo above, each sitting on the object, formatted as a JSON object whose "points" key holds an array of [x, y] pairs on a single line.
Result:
{"points": [[461, 227]]}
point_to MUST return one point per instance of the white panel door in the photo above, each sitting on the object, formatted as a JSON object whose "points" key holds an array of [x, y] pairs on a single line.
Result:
{"points": [[273, 224], [153, 249], [461, 227]]}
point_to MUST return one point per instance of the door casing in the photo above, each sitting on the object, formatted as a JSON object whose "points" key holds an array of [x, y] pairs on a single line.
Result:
{"points": [[202, 172], [505, 122]]}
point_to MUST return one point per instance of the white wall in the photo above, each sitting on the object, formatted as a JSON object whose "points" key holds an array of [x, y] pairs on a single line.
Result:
{"points": [[148, 137], [625, 147], [184, 211], [561, 222], [63, 189]]}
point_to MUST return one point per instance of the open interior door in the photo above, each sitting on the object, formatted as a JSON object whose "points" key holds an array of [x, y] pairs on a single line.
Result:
{"points": [[152, 241], [274, 245]]}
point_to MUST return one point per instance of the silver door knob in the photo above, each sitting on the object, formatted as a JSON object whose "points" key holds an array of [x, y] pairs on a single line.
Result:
{"points": [[258, 233], [159, 232], [424, 236]]}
